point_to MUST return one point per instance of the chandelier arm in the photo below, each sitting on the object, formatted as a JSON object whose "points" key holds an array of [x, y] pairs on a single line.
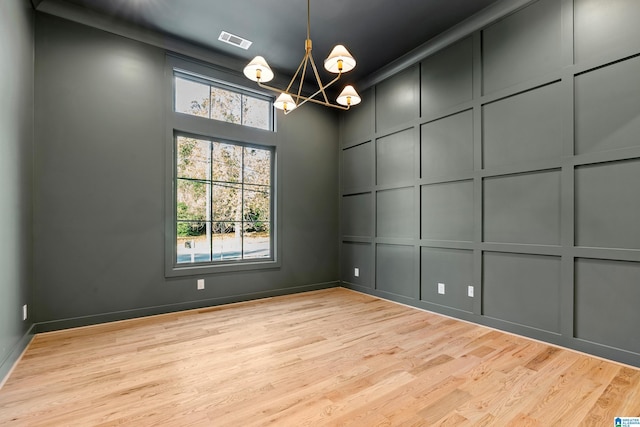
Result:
{"points": [[271, 88], [320, 102], [320, 86], [306, 99], [304, 74], [278, 90], [293, 79], [312, 98]]}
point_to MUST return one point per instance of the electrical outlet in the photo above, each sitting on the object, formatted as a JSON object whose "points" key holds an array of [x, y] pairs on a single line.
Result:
{"points": [[470, 291], [356, 272], [24, 312], [200, 284], [441, 288]]}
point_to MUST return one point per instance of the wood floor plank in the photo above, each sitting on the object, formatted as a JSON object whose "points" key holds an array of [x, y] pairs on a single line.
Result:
{"points": [[325, 358]]}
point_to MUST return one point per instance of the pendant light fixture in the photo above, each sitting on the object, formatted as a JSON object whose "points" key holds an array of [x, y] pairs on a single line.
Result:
{"points": [[338, 62]]}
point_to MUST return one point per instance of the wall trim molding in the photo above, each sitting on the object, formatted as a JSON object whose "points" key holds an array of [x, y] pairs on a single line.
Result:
{"points": [[8, 365], [464, 29], [76, 322], [591, 349]]}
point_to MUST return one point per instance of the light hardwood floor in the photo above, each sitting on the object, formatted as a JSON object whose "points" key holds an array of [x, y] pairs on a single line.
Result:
{"points": [[332, 357]]}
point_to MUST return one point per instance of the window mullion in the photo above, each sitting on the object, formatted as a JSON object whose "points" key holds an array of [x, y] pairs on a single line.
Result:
{"points": [[210, 203], [210, 102], [242, 204]]}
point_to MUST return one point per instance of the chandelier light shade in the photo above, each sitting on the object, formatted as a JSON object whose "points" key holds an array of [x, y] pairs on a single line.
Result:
{"points": [[348, 96], [258, 70], [338, 62], [285, 102]]}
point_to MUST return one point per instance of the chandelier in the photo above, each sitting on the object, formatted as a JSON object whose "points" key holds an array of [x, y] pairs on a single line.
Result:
{"points": [[338, 62]]}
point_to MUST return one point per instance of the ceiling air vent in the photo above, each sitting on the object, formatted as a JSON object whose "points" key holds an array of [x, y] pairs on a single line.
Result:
{"points": [[234, 40]]}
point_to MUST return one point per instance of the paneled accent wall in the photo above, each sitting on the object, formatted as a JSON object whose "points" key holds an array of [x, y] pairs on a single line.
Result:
{"points": [[504, 170]]}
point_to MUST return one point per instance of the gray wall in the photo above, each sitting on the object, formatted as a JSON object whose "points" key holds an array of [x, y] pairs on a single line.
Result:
{"points": [[507, 161], [16, 169], [100, 187]]}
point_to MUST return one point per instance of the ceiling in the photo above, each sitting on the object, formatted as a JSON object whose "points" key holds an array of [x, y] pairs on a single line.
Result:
{"points": [[376, 32]]}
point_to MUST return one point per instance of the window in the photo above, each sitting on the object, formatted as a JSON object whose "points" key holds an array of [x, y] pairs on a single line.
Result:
{"points": [[218, 101], [221, 178], [223, 201]]}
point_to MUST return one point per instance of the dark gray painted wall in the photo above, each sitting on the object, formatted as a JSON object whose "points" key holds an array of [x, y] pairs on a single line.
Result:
{"points": [[16, 170], [517, 151], [100, 187]]}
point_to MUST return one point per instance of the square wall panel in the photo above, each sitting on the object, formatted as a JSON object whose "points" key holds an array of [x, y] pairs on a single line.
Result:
{"points": [[395, 156], [523, 208], [522, 46], [357, 123], [357, 218], [601, 26], [395, 270], [607, 107], [394, 213], [398, 99], [607, 205], [357, 167], [453, 268], [447, 78], [446, 146], [523, 128], [446, 211], [522, 289], [606, 303], [357, 256]]}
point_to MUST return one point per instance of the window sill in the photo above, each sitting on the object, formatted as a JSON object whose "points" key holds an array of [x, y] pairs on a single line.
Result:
{"points": [[194, 270]]}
